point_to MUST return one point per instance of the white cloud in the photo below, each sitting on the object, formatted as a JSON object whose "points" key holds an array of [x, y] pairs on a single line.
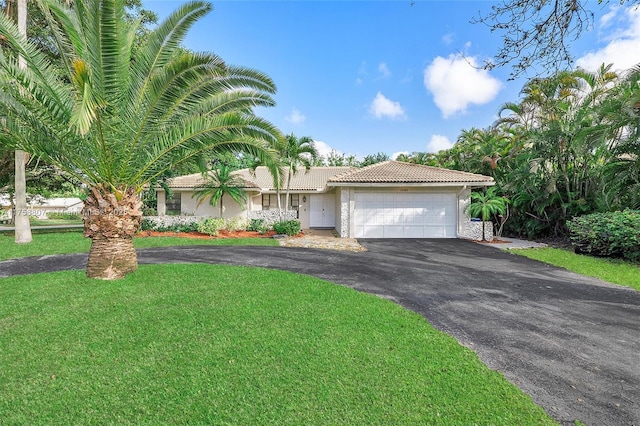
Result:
{"points": [[358, 81], [384, 71], [323, 148], [383, 107], [456, 82], [438, 143], [623, 48], [296, 117]]}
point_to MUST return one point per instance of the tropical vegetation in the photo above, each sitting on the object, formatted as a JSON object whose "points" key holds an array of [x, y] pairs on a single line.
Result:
{"points": [[117, 111], [220, 182], [295, 152], [486, 204], [570, 146]]}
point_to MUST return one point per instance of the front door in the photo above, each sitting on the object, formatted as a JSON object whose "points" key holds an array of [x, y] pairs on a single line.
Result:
{"points": [[322, 211]]}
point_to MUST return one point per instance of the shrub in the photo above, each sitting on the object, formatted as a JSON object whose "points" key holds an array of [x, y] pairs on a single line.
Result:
{"points": [[211, 226], [612, 234], [235, 224], [288, 227], [257, 225], [168, 224], [149, 211], [65, 216]]}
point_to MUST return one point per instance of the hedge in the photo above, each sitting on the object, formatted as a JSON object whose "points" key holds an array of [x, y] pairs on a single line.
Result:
{"points": [[611, 234]]}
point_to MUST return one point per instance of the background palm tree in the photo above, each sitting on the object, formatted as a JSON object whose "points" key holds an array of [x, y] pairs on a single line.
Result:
{"points": [[295, 152], [117, 112], [221, 181], [20, 218], [486, 204]]}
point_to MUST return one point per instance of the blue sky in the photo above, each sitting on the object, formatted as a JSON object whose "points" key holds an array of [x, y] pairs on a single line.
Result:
{"points": [[363, 77]]}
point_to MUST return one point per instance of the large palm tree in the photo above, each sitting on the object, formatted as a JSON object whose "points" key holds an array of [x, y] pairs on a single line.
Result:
{"points": [[295, 152], [116, 113]]}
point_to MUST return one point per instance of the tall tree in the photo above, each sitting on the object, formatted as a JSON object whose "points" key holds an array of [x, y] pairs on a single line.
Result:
{"points": [[117, 112], [374, 159], [21, 218], [295, 152], [220, 182], [557, 173]]}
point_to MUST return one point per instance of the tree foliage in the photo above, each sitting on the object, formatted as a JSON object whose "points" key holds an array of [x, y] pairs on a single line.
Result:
{"points": [[221, 181], [117, 111], [569, 146], [536, 34]]}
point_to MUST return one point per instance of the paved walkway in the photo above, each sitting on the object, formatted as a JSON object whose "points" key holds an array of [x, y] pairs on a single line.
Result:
{"points": [[512, 243], [322, 239]]}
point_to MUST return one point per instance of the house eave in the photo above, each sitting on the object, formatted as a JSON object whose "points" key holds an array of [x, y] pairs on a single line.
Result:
{"points": [[409, 184]]}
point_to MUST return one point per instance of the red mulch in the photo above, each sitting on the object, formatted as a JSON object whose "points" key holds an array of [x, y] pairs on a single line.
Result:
{"points": [[198, 235]]}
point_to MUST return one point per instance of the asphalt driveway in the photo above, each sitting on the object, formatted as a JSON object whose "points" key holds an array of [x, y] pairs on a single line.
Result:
{"points": [[571, 342]]}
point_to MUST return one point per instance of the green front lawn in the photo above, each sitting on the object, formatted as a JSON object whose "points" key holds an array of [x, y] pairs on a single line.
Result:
{"points": [[610, 270], [74, 242], [205, 344]]}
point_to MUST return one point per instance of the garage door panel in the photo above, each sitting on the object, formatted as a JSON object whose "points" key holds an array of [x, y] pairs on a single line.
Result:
{"points": [[414, 231], [393, 231], [405, 215]]}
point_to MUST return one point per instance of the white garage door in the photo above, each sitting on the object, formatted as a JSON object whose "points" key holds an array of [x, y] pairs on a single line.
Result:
{"points": [[405, 215]]}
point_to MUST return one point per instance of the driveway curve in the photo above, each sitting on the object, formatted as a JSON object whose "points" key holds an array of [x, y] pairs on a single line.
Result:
{"points": [[571, 342]]}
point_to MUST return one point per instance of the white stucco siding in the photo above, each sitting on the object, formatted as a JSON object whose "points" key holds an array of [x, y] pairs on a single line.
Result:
{"points": [[161, 206]]}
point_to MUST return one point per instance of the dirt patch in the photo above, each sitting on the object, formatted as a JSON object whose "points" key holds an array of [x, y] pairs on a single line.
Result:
{"points": [[494, 241], [198, 235]]}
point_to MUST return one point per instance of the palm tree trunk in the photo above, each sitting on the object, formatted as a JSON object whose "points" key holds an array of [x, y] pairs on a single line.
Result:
{"points": [[286, 197], [111, 220], [484, 238], [21, 218]]}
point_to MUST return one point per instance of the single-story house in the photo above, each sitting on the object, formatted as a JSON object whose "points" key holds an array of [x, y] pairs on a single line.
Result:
{"points": [[385, 200]]}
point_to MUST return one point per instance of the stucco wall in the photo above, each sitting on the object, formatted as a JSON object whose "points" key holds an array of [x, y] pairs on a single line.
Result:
{"points": [[162, 207], [343, 214], [464, 199]]}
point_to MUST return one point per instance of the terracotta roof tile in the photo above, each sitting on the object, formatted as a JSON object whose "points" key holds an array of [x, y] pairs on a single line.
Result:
{"points": [[401, 172], [314, 180]]}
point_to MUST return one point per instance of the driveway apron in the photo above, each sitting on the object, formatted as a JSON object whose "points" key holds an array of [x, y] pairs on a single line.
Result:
{"points": [[571, 342]]}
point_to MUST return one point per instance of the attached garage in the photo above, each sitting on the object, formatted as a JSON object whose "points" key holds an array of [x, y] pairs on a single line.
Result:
{"points": [[405, 215], [403, 200]]}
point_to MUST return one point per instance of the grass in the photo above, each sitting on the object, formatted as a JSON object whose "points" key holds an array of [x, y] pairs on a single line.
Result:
{"points": [[610, 270], [213, 344], [54, 222], [74, 242], [50, 222]]}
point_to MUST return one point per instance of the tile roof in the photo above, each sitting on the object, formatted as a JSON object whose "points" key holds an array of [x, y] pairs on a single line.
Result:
{"points": [[401, 172], [313, 180], [317, 178]]}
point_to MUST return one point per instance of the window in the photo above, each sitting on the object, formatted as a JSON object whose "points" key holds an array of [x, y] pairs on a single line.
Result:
{"points": [[174, 204], [295, 202], [265, 201]]}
